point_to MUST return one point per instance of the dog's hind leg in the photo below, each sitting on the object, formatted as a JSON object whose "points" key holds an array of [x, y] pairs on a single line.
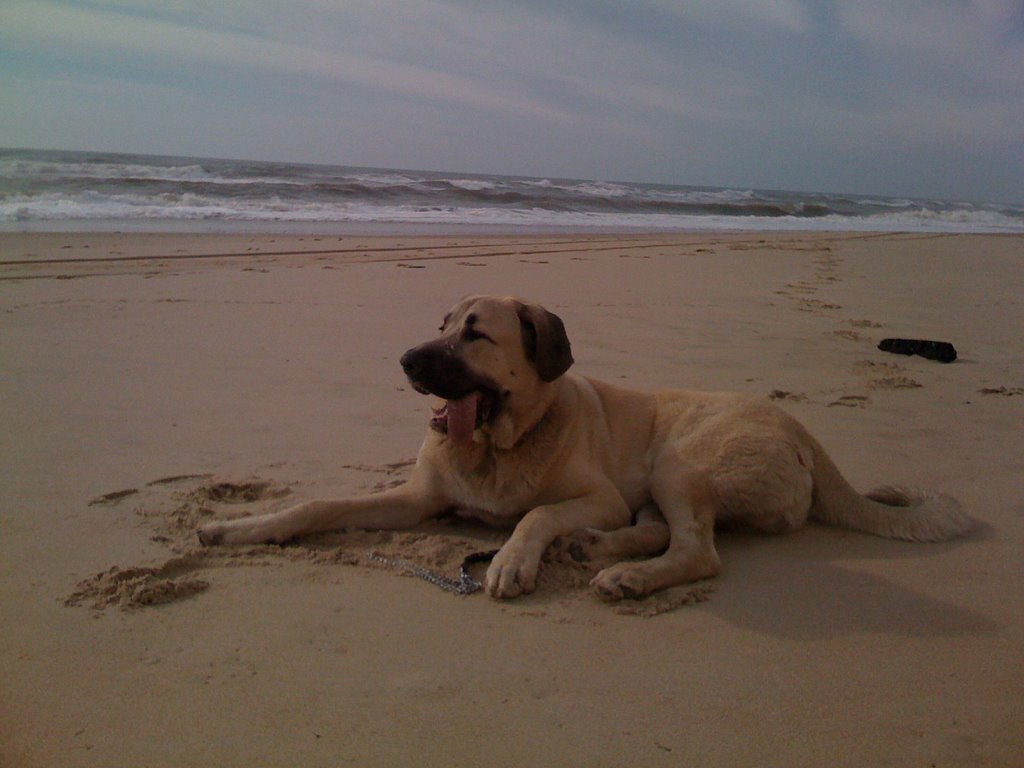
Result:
{"points": [[687, 503]]}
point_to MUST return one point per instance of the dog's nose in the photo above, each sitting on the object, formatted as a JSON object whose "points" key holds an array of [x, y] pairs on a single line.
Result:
{"points": [[416, 362], [425, 358], [409, 362], [420, 364]]}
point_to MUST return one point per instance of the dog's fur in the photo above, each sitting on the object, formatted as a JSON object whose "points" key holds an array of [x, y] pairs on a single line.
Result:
{"points": [[521, 439]]}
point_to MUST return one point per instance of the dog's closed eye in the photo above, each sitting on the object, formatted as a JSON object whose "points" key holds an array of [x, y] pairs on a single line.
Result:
{"points": [[472, 334]]}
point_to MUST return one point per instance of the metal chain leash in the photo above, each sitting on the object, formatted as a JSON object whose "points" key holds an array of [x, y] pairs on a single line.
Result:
{"points": [[464, 585]]}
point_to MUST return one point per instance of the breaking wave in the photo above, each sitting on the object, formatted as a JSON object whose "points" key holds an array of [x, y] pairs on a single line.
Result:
{"points": [[44, 186]]}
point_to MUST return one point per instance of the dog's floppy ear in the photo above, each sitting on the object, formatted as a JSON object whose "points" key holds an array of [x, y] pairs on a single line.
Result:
{"points": [[545, 341]]}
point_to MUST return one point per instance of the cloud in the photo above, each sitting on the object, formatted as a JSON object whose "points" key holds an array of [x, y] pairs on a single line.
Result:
{"points": [[977, 43], [788, 15], [747, 92], [34, 25]]}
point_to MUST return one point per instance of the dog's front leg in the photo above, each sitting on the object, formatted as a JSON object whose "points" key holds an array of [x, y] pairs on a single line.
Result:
{"points": [[513, 571], [401, 507]]}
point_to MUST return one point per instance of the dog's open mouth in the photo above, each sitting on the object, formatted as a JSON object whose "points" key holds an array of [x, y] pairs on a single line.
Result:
{"points": [[460, 418]]}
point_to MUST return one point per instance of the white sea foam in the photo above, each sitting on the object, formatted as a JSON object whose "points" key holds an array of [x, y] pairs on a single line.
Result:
{"points": [[586, 188], [41, 187], [381, 179], [472, 185], [100, 170], [92, 206], [57, 172]]}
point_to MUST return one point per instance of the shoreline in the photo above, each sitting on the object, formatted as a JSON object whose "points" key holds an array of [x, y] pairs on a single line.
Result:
{"points": [[154, 380], [113, 249], [84, 246], [739, 225]]}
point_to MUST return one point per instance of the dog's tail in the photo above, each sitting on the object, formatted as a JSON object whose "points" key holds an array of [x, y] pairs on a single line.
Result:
{"points": [[894, 512]]}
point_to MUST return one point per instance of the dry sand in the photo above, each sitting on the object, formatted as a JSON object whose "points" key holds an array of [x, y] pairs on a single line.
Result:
{"points": [[150, 381]]}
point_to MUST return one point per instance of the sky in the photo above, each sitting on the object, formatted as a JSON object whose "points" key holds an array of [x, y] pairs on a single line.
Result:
{"points": [[921, 98]]}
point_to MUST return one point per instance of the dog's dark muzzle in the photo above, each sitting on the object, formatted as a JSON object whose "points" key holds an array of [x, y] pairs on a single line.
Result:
{"points": [[435, 369]]}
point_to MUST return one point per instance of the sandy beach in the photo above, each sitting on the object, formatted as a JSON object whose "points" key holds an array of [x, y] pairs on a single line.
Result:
{"points": [[151, 382]]}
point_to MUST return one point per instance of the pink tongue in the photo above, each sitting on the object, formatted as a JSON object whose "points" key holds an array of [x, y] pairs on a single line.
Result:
{"points": [[462, 418]]}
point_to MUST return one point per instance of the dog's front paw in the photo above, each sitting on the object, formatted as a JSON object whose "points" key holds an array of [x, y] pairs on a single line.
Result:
{"points": [[261, 529], [513, 572], [211, 534]]}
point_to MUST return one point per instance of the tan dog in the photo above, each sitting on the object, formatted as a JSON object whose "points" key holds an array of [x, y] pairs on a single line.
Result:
{"points": [[518, 437]]}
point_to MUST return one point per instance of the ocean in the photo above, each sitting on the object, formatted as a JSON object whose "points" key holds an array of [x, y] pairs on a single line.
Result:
{"points": [[43, 190]]}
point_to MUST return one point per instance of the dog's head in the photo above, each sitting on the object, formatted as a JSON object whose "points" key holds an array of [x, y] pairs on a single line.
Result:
{"points": [[492, 364]]}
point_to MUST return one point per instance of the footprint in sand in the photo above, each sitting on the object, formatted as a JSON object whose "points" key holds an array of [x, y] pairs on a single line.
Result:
{"points": [[170, 479], [668, 600], [851, 401], [793, 397], [1002, 391], [815, 305], [133, 588], [886, 375], [849, 335], [113, 497], [895, 382], [799, 287], [854, 335], [865, 324], [243, 493]]}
